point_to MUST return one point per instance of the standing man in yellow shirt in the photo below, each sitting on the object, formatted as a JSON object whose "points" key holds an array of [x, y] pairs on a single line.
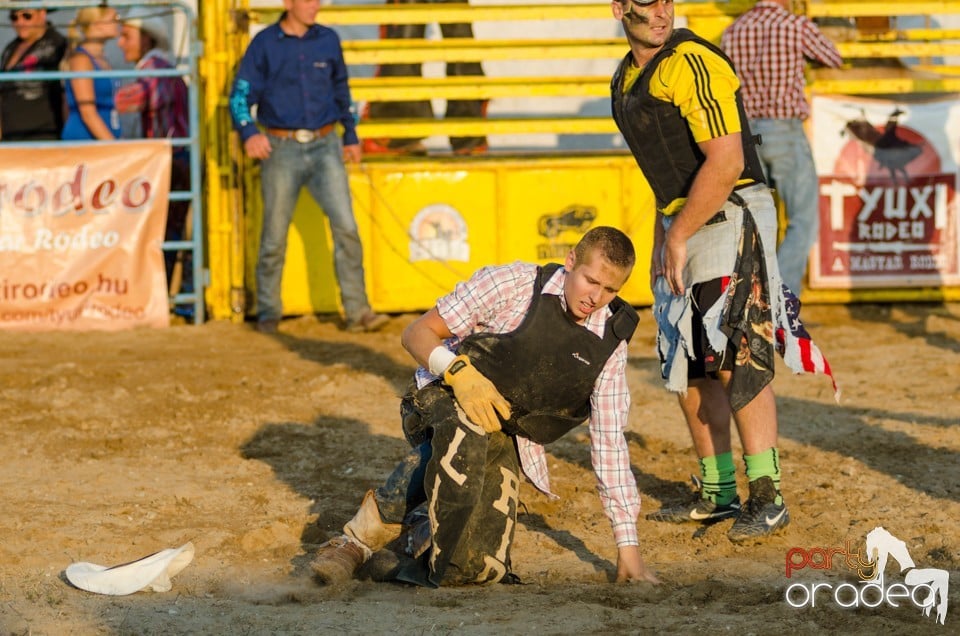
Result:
{"points": [[719, 303]]}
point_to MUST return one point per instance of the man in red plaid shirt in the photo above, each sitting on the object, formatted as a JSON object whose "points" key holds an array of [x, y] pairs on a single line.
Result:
{"points": [[769, 47], [161, 101]]}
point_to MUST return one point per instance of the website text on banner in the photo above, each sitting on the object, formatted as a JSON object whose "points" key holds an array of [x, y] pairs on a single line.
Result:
{"points": [[81, 229]]}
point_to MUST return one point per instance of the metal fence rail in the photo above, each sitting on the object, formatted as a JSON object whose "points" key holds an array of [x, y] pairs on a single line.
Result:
{"points": [[187, 68]]}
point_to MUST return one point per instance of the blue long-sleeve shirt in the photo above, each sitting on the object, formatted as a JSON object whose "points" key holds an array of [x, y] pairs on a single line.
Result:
{"points": [[295, 82]]}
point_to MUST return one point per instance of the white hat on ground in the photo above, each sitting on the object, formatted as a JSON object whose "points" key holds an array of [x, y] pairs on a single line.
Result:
{"points": [[153, 571]]}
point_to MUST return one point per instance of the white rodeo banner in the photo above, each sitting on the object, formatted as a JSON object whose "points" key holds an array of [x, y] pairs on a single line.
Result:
{"points": [[81, 228]]}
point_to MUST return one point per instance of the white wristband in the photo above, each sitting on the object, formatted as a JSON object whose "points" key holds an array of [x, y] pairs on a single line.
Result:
{"points": [[440, 358]]}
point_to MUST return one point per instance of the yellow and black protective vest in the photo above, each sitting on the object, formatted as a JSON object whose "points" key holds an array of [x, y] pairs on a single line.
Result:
{"points": [[657, 134]]}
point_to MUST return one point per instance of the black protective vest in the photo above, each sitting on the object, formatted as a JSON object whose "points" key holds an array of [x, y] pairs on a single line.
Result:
{"points": [[547, 367], [659, 137]]}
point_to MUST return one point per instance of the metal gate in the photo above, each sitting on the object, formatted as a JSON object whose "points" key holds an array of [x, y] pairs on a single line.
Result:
{"points": [[180, 17], [386, 229]]}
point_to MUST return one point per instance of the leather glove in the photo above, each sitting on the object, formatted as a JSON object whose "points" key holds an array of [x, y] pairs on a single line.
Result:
{"points": [[476, 395]]}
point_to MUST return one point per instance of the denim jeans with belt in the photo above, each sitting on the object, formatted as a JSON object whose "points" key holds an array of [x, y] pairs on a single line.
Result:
{"points": [[318, 165], [788, 163]]}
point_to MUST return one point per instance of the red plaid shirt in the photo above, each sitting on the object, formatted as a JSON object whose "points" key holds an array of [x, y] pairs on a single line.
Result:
{"points": [[495, 300], [161, 101], [769, 47]]}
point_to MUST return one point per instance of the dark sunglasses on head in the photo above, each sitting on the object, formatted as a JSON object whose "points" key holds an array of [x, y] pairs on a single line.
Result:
{"points": [[20, 15]]}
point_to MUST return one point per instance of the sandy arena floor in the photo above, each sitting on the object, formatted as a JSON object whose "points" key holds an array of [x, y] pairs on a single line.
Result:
{"points": [[258, 448]]}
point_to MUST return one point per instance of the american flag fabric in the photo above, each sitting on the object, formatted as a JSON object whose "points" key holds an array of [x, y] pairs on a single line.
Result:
{"points": [[797, 348]]}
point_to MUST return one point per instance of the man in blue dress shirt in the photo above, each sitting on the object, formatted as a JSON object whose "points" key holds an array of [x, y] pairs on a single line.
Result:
{"points": [[294, 73]]}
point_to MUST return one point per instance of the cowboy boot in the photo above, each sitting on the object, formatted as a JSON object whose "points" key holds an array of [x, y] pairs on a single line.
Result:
{"points": [[337, 560]]}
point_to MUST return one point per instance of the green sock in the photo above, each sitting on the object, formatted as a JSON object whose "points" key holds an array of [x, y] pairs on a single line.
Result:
{"points": [[719, 478], [765, 464]]}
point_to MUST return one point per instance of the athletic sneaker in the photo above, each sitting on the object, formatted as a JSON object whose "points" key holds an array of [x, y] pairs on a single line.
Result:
{"points": [[699, 510], [761, 516]]}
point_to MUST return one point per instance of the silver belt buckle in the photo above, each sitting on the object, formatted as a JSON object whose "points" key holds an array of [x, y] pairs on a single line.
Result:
{"points": [[304, 136]]}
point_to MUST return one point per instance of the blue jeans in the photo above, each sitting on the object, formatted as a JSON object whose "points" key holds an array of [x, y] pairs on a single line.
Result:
{"points": [[318, 165], [788, 164]]}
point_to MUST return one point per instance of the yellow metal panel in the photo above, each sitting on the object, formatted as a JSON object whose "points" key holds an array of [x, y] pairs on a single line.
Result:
{"points": [[931, 35], [394, 51], [371, 128], [883, 9], [427, 225], [709, 27], [426, 13], [897, 49], [844, 296], [435, 223], [308, 285], [406, 212], [415, 250], [414, 88], [396, 199], [551, 207], [223, 203], [886, 86]]}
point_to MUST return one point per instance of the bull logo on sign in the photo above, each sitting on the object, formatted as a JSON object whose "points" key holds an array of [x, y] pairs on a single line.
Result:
{"points": [[889, 150]]}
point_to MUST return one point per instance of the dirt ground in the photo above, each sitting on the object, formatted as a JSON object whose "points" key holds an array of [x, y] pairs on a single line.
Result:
{"points": [[257, 448]]}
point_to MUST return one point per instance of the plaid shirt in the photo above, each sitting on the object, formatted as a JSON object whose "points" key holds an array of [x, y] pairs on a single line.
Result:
{"points": [[769, 47], [161, 101], [495, 300]]}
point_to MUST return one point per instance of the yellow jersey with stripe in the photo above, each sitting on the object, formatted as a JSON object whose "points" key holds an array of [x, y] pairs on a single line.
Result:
{"points": [[698, 91]]}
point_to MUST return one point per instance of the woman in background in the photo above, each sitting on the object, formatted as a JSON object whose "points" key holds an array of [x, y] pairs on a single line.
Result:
{"points": [[91, 113]]}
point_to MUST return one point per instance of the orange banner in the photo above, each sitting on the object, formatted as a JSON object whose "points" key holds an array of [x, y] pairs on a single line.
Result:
{"points": [[81, 228]]}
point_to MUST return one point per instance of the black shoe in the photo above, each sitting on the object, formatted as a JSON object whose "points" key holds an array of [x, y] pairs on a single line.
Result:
{"points": [[698, 510], [368, 322], [268, 326], [761, 516], [382, 567]]}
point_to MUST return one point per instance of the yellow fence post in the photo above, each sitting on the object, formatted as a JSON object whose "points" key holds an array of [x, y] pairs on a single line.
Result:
{"points": [[225, 36]]}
